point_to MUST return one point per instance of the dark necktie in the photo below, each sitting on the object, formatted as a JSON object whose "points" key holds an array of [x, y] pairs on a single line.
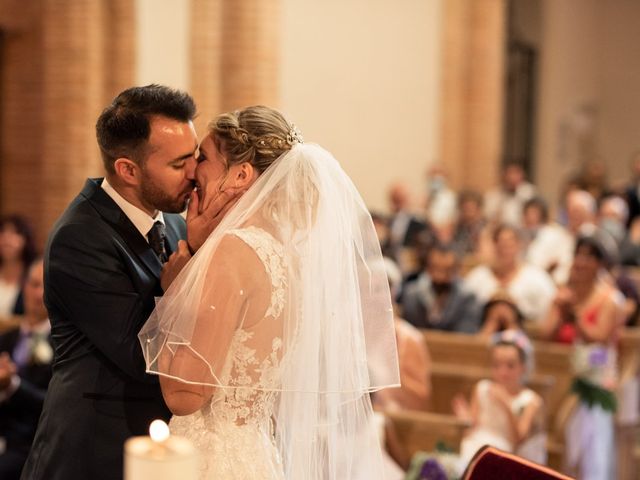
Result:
{"points": [[157, 240]]}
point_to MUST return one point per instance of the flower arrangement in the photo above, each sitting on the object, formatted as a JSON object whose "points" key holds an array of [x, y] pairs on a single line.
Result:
{"points": [[594, 367], [442, 464], [595, 364]]}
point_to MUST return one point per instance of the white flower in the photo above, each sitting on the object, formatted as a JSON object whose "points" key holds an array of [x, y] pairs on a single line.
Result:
{"points": [[42, 352]]}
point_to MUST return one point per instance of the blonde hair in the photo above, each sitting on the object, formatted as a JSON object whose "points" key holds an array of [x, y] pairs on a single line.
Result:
{"points": [[258, 135]]}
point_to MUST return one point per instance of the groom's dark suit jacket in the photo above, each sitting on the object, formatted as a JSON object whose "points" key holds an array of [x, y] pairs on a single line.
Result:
{"points": [[101, 277]]}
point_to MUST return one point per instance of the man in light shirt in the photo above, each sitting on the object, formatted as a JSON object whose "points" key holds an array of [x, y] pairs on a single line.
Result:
{"points": [[504, 204]]}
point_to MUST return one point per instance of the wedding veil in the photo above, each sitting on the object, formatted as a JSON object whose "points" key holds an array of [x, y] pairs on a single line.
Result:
{"points": [[333, 318]]}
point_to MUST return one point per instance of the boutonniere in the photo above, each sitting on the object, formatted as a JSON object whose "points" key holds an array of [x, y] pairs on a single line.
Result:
{"points": [[41, 351]]}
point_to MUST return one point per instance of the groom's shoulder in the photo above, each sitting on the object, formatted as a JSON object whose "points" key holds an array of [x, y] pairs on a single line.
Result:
{"points": [[82, 219], [83, 206]]}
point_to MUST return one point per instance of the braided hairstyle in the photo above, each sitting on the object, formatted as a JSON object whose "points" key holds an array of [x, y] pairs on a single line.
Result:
{"points": [[257, 135]]}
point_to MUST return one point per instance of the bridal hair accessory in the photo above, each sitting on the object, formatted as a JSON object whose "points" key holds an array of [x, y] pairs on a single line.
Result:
{"points": [[273, 142], [294, 136]]}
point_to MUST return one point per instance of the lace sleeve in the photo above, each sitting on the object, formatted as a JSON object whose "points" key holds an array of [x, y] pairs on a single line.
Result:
{"points": [[189, 333]]}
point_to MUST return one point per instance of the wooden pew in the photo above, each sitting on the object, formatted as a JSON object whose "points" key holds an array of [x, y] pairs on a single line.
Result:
{"points": [[457, 348], [422, 431], [627, 419], [459, 360], [449, 380], [463, 352]]}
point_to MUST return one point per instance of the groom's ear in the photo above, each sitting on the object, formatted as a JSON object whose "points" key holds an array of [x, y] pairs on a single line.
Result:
{"points": [[127, 170]]}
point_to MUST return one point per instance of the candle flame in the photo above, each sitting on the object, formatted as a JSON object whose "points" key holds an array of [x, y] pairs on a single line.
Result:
{"points": [[158, 431]]}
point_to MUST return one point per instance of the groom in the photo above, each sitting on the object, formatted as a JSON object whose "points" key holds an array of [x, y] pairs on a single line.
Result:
{"points": [[103, 262]]}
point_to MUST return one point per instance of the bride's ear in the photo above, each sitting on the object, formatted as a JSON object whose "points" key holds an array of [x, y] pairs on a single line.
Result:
{"points": [[244, 175]]}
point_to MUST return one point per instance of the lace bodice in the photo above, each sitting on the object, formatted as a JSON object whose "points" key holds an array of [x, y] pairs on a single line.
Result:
{"points": [[252, 365], [238, 419]]}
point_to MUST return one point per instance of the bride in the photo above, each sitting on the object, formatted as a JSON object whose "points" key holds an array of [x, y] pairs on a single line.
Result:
{"points": [[271, 338]]}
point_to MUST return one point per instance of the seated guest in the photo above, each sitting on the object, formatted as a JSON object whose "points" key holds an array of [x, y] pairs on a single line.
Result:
{"points": [[589, 313], [500, 314], [632, 190], [471, 223], [406, 231], [531, 288], [630, 248], [582, 221], [25, 371], [441, 205], [504, 205], [437, 299], [590, 304], [381, 224], [17, 251], [503, 412], [413, 359], [612, 217], [550, 245]]}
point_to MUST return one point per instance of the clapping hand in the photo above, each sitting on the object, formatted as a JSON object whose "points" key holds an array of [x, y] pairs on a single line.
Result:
{"points": [[461, 408], [203, 216], [7, 371], [565, 299]]}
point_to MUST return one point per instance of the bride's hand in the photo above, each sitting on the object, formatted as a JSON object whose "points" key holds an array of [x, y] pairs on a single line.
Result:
{"points": [[174, 264], [203, 219]]}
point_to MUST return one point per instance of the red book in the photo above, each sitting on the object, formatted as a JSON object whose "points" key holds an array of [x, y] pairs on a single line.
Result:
{"points": [[489, 463]]}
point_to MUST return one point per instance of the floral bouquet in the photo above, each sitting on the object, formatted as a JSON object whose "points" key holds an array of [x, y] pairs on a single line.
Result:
{"points": [[594, 366], [439, 465]]}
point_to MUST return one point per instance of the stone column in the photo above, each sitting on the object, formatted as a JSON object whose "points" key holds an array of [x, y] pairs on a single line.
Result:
{"points": [[250, 53], [235, 55], [206, 60], [64, 60], [473, 90], [21, 122]]}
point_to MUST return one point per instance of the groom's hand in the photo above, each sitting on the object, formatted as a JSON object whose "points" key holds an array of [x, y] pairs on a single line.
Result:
{"points": [[202, 219], [174, 265]]}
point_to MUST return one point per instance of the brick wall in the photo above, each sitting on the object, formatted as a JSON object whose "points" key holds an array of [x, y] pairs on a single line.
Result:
{"points": [[234, 55], [62, 62]]}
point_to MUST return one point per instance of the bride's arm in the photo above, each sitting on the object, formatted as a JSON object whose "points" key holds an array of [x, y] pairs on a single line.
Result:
{"points": [[182, 398], [192, 371]]}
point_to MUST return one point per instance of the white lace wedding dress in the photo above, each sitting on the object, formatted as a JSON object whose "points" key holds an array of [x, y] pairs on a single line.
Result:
{"points": [[234, 432]]}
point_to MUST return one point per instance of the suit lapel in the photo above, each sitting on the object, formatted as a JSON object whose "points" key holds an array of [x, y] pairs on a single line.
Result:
{"points": [[110, 211]]}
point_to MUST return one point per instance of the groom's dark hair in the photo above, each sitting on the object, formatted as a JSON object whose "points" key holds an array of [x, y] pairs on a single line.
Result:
{"points": [[123, 128]]}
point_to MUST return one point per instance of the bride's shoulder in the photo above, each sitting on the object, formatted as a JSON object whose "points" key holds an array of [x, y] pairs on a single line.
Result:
{"points": [[256, 237]]}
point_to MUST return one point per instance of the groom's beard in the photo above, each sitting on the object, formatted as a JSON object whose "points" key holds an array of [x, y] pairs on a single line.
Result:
{"points": [[160, 200]]}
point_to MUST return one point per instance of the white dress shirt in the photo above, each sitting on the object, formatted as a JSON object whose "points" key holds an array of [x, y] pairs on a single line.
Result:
{"points": [[140, 219]]}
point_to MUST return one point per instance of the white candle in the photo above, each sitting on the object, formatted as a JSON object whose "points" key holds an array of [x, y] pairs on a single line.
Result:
{"points": [[160, 456]]}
